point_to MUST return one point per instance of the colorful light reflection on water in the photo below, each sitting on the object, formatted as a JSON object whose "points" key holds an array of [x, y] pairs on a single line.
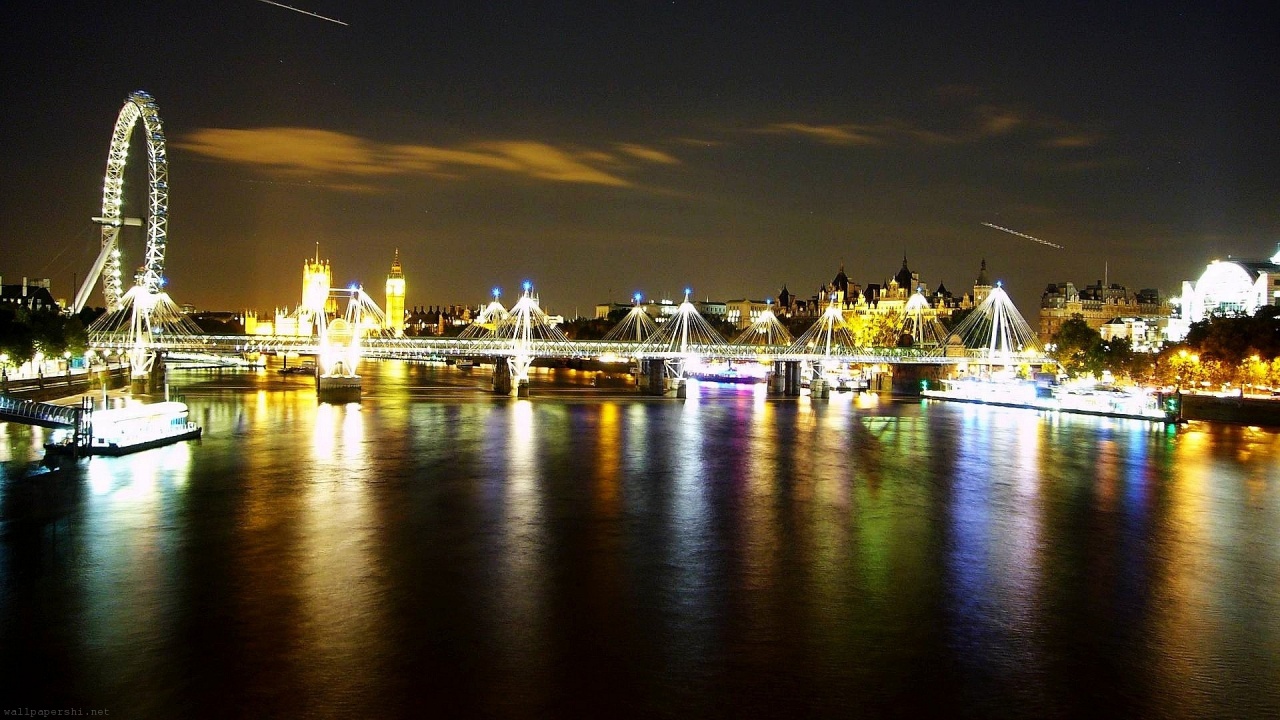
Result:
{"points": [[588, 554]]}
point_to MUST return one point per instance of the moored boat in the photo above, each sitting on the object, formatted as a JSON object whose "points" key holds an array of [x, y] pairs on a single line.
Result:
{"points": [[129, 429], [730, 375], [1103, 401]]}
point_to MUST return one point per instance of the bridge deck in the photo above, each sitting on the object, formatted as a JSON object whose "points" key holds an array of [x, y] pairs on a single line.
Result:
{"points": [[420, 348]]}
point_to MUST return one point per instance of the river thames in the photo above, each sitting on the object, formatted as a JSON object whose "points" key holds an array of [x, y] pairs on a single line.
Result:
{"points": [[591, 553]]}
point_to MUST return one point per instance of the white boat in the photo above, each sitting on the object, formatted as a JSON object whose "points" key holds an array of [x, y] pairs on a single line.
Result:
{"points": [[1134, 404], [129, 429]]}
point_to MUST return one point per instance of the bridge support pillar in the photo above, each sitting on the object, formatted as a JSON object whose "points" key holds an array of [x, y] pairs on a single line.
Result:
{"points": [[522, 388], [151, 381], [778, 378], [792, 384], [682, 388], [653, 380], [502, 376], [338, 389]]}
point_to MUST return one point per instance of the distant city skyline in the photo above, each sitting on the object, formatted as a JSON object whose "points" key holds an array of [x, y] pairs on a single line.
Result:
{"points": [[601, 152]]}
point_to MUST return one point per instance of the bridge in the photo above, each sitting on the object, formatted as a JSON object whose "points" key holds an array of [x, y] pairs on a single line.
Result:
{"points": [[144, 323]]}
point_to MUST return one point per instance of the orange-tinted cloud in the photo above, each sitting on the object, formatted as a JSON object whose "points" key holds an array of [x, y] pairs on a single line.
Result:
{"points": [[994, 120], [957, 116], [1073, 141], [335, 158], [289, 149], [546, 162], [647, 153], [830, 134]]}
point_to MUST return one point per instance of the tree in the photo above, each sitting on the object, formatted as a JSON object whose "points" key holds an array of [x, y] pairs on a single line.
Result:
{"points": [[1078, 347], [1232, 339], [16, 339]]}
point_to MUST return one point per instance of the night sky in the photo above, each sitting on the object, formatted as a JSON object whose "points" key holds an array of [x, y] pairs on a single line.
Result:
{"points": [[607, 148]]}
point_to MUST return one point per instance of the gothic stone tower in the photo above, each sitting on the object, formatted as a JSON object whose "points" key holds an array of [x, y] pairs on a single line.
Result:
{"points": [[395, 297]]}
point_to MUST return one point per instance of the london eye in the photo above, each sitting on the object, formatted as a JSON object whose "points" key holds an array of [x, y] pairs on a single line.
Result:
{"points": [[139, 106]]}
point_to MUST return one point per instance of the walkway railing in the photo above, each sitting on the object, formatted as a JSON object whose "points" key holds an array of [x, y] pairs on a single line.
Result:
{"points": [[30, 412]]}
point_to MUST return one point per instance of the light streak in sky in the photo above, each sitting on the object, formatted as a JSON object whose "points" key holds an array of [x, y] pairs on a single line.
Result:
{"points": [[304, 12], [1024, 235]]}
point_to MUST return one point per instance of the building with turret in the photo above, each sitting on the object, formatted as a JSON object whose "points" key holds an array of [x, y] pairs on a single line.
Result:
{"points": [[1140, 316], [982, 285], [317, 280], [395, 317]]}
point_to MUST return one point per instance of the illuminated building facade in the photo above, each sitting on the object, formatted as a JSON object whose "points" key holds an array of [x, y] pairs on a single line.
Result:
{"points": [[742, 313], [883, 299], [395, 318], [665, 309], [1129, 314], [877, 301], [317, 279], [1232, 287]]}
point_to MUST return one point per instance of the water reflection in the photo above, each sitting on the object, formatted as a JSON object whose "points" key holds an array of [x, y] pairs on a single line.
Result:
{"points": [[579, 555], [338, 572], [520, 574]]}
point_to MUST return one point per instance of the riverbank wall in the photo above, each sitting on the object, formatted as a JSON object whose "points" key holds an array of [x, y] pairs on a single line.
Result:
{"points": [[1232, 409], [53, 387]]}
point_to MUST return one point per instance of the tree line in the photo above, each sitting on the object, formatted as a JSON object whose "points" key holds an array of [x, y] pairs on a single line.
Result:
{"points": [[1218, 351], [24, 332]]}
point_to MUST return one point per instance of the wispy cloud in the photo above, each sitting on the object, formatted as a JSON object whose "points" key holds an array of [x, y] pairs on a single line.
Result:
{"points": [[993, 120], [347, 162], [289, 149], [956, 117], [1072, 141], [652, 155], [848, 134]]}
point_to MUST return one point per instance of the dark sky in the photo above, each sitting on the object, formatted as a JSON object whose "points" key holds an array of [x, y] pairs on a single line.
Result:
{"points": [[604, 148]]}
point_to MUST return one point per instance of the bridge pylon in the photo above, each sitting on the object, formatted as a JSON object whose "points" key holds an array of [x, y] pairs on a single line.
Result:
{"points": [[522, 336], [995, 335], [340, 346], [686, 336], [820, 349]]}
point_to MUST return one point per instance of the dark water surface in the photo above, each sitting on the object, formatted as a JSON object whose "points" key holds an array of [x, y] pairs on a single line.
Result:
{"points": [[435, 550]]}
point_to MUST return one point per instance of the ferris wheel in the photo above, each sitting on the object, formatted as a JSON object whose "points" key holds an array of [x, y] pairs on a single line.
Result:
{"points": [[139, 106]]}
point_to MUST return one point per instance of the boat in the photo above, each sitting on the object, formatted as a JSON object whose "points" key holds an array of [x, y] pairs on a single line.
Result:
{"points": [[851, 384], [730, 374], [1098, 400], [129, 429], [303, 369]]}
